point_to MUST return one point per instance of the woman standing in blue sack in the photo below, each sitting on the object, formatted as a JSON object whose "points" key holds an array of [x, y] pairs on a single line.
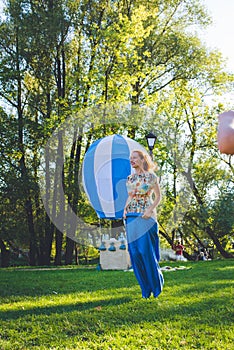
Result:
{"points": [[144, 196]]}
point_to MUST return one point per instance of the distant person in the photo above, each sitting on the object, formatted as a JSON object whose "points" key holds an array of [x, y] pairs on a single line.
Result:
{"points": [[144, 196], [206, 254], [225, 135], [202, 256], [179, 248]]}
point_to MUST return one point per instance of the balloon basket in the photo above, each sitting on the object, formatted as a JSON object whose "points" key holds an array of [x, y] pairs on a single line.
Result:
{"points": [[116, 257]]}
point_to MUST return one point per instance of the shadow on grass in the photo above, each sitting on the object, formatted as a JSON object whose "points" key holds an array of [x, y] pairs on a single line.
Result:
{"points": [[109, 315], [193, 302], [184, 303], [41, 283], [62, 309], [189, 293], [18, 283]]}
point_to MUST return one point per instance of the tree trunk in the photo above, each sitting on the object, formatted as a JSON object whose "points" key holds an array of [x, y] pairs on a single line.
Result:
{"points": [[76, 193], [217, 243], [49, 226], [208, 229], [49, 234], [22, 165], [59, 199], [33, 241], [5, 254], [46, 244], [70, 244], [61, 87], [58, 247]]}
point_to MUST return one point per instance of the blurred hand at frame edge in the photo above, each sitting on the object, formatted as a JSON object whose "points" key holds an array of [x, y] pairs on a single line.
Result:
{"points": [[225, 134]]}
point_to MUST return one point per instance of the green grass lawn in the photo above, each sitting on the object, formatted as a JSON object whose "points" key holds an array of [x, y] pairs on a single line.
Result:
{"points": [[82, 308]]}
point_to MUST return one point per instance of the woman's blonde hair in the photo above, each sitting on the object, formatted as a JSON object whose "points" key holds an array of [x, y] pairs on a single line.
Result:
{"points": [[148, 163]]}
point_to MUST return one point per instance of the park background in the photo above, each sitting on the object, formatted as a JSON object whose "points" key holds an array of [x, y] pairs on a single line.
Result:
{"points": [[118, 67], [75, 71]]}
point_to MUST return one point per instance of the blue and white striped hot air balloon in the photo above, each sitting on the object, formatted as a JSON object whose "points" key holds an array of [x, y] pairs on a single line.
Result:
{"points": [[106, 167]]}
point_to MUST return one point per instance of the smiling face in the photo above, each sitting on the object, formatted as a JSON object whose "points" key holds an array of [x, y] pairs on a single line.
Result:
{"points": [[136, 161]]}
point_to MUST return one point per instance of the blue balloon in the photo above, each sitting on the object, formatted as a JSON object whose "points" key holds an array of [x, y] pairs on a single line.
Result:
{"points": [[106, 167]]}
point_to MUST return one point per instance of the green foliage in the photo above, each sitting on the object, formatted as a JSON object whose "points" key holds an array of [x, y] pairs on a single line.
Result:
{"points": [[116, 67], [222, 212], [90, 309]]}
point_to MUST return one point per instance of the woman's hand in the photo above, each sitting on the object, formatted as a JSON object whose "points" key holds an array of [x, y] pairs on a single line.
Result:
{"points": [[126, 205], [147, 213]]}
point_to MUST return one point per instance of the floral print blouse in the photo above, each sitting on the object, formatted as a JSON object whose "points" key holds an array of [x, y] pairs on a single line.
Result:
{"points": [[139, 188]]}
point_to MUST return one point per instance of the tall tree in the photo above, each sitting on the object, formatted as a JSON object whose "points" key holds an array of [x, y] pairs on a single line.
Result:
{"points": [[99, 52]]}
